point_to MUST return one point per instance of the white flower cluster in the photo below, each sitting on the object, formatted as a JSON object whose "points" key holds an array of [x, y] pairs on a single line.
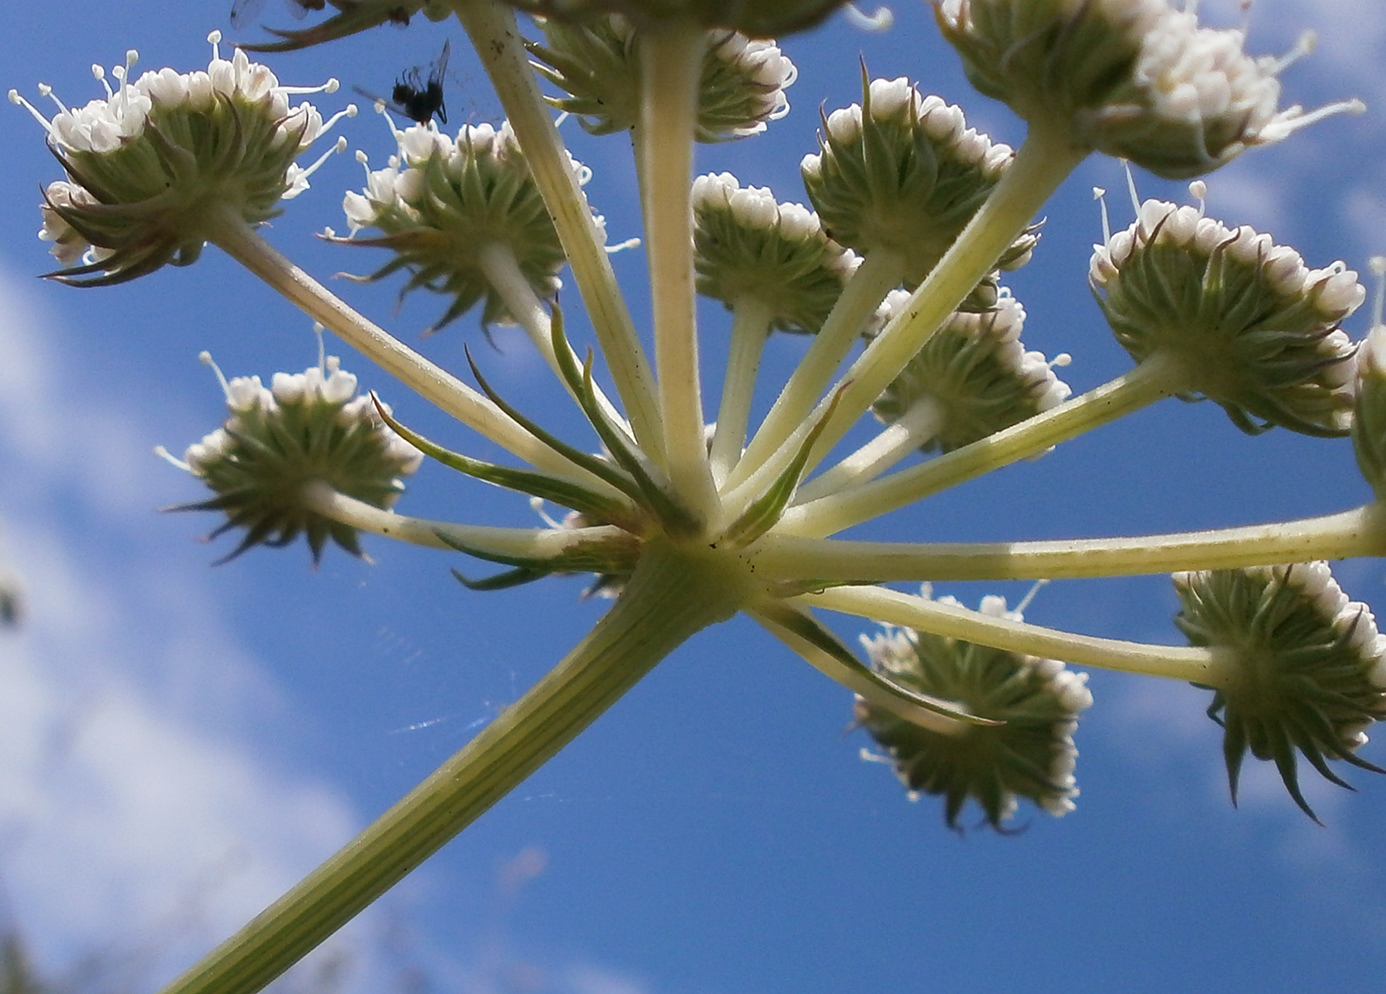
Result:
{"points": [[1002, 325], [1334, 290], [103, 125], [897, 101], [325, 386], [767, 71], [755, 207]]}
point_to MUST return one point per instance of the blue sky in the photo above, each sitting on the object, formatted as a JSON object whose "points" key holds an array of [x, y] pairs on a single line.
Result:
{"points": [[179, 742]]}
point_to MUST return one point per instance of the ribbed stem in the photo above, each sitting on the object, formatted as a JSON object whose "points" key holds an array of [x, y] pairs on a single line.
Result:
{"points": [[500, 47], [238, 240], [1197, 665], [671, 595], [1152, 380], [1359, 532], [750, 327], [670, 71]]}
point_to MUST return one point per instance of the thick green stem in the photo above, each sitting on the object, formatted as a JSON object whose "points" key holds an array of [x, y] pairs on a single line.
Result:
{"points": [[238, 240], [1359, 532], [672, 595], [492, 29], [1152, 380], [670, 71], [1208, 667]]}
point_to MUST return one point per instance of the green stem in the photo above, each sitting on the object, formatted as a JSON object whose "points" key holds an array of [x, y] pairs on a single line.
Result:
{"points": [[920, 423], [751, 317], [493, 31], [671, 596], [1358, 532], [1196, 665], [670, 71], [238, 240], [879, 273], [1152, 380], [515, 543], [1041, 163], [502, 271]]}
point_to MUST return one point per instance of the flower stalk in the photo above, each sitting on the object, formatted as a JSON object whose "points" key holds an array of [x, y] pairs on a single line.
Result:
{"points": [[673, 594]]}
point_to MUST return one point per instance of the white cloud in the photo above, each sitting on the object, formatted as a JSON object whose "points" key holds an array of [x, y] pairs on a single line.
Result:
{"points": [[132, 815]]}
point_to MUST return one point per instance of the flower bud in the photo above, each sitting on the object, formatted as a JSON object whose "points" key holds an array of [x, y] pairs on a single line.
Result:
{"points": [[978, 377], [1030, 754], [1302, 671], [1133, 78], [902, 173], [157, 165], [441, 203], [747, 245], [1250, 325], [597, 63], [306, 428]]}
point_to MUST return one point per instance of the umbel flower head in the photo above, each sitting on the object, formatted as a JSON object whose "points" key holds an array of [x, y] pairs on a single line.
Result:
{"points": [[1248, 324], [972, 378], [1029, 754], [750, 246], [901, 173], [305, 429], [158, 164], [1303, 669], [596, 63], [443, 204], [1133, 78]]}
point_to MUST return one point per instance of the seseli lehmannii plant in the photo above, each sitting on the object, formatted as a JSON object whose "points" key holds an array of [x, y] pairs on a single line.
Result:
{"points": [[914, 379]]}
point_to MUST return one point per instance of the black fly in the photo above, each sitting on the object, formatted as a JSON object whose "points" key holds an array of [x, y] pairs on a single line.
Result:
{"points": [[416, 96]]}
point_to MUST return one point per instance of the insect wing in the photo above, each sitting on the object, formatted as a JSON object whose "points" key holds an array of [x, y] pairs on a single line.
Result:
{"points": [[244, 12]]}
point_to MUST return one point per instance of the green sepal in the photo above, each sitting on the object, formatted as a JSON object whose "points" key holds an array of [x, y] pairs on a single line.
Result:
{"points": [[540, 485], [501, 581], [674, 517], [595, 465], [808, 628], [598, 557], [766, 509]]}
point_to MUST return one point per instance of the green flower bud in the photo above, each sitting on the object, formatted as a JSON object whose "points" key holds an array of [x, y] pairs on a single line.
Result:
{"points": [[1250, 326], [902, 173], [748, 245], [974, 377], [756, 18], [1031, 754], [307, 428], [1369, 411], [596, 62], [1303, 669], [1132, 78], [161, 161], [443, 203]]}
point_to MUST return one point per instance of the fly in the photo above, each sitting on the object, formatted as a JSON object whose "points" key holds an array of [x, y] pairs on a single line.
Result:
{"points": [[419, 97]]}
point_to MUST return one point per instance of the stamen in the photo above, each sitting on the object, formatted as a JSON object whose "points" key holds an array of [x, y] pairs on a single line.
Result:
{"points": [[15, 98], [1100, 195], [206, 359], [1199, 191], [169, 457], [882, 20], [99, 71]]}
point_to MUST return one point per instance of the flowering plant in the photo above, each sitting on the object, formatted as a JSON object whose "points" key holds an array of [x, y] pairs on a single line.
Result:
{"points": [[914, 380]]}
